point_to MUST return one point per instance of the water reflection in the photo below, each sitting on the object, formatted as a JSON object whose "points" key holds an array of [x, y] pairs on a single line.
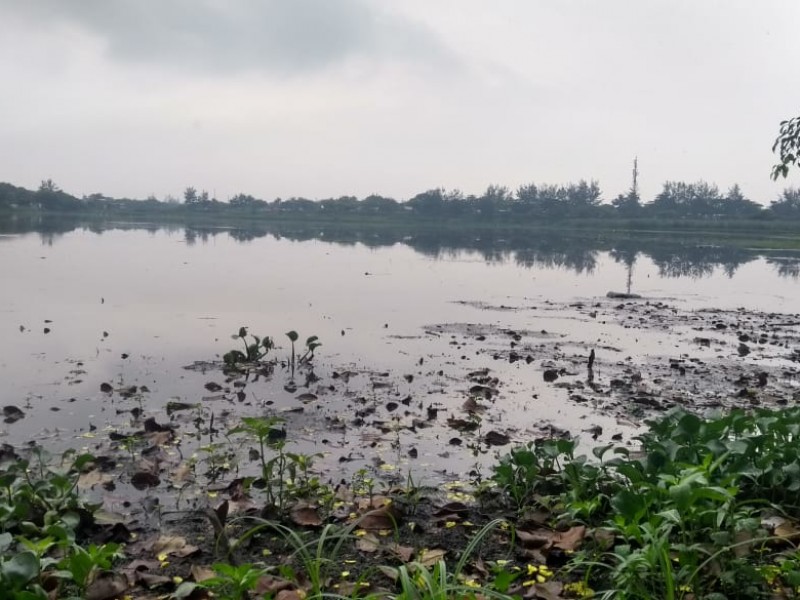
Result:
{"points": [[577, 251]]}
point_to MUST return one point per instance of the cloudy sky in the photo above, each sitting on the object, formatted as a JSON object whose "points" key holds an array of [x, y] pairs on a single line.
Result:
{"points": [[321, 98]]}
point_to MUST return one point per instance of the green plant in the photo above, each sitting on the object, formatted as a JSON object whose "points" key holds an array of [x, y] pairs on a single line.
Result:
{"points": [[82, 565], [419, 582], [254, 350], [312, 343], [274, 472], [317, 556], [232, 582]]}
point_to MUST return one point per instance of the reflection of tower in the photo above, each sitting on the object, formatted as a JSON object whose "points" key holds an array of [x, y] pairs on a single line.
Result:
{"points": [[634, 194]]}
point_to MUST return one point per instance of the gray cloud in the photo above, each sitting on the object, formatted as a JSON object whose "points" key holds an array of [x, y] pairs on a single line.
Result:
{"points": [[278, 36]]}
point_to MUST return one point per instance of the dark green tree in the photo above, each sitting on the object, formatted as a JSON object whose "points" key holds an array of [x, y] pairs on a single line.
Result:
{"points": [[788, 205]]}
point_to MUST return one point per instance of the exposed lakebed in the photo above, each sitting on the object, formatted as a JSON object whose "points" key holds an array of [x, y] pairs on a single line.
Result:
{"points": [[113, 344]]}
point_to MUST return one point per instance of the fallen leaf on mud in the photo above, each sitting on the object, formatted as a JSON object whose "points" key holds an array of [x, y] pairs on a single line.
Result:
{"points": [[382, 518], [270, 585], [786, 529], [539, 538], [159, 438], [389, 572], [430, 557], [181, 473], [142, 480], [173, 544], [12, 414], [495, 438], [463, 424], [107, 584], [377, 501], [151, 579], [472, 406], [106, 388], [545, 538], [451, 508], [93, 478], [200, 573], [305, 516], [404, 553], [570, 539], [306, 398], [368, 543], [549, 590], [290, 595], [212, 386]]}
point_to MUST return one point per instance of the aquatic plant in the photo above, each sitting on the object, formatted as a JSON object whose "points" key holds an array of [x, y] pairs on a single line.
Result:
{"points": [[254, 350]]}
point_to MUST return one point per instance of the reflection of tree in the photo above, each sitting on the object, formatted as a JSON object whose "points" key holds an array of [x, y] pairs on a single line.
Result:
{"points": [[697, 261], [576, 251], [785, 266]]}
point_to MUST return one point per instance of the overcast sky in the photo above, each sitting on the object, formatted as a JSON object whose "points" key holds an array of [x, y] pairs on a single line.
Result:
{"points": [[321, 98]]}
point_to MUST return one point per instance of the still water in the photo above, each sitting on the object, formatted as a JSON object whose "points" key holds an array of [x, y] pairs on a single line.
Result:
{"points": [[133, 306]]}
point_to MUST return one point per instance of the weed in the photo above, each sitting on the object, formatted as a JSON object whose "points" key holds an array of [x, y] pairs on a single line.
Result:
{"points": [[255, 350]]}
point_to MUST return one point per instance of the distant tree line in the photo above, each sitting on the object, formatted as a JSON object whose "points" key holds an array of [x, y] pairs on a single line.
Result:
{"points": [[531, 202]]}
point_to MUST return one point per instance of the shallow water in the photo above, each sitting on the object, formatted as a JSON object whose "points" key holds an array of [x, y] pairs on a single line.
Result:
{"points": [[166, 298]]}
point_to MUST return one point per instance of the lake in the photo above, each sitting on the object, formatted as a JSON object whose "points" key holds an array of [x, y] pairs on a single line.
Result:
{"points": [[409, 324]]}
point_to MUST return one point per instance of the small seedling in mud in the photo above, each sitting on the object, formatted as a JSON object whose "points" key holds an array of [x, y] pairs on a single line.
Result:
{"points": [[364, 485], [274, 470], [254, 350], [303, 486], [312, 343]]}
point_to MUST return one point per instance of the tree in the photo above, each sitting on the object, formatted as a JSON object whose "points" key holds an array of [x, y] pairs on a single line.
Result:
{"points": [[788, 205], [190, 195], [787, 144], [48, 185]]}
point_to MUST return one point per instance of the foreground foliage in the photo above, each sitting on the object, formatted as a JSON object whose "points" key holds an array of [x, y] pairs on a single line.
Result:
{"points": [[706, 508], [701, 509]]}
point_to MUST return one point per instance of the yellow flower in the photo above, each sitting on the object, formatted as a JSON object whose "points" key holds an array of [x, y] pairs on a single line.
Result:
{"points": [[532, 569], [450, 524], [471, 583], [360, 532], [177, 580], [345, 574]]}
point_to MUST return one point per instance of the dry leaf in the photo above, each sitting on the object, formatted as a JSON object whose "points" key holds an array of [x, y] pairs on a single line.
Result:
{"points": [[151, 579], [570, 539], [290, 595], [93, 478], [368, 543], [182, 473], [106, 585], [173, 544], [200, 573], [430, 557], [538, 538], [404, 553], [383, 518], [305, 516]]}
